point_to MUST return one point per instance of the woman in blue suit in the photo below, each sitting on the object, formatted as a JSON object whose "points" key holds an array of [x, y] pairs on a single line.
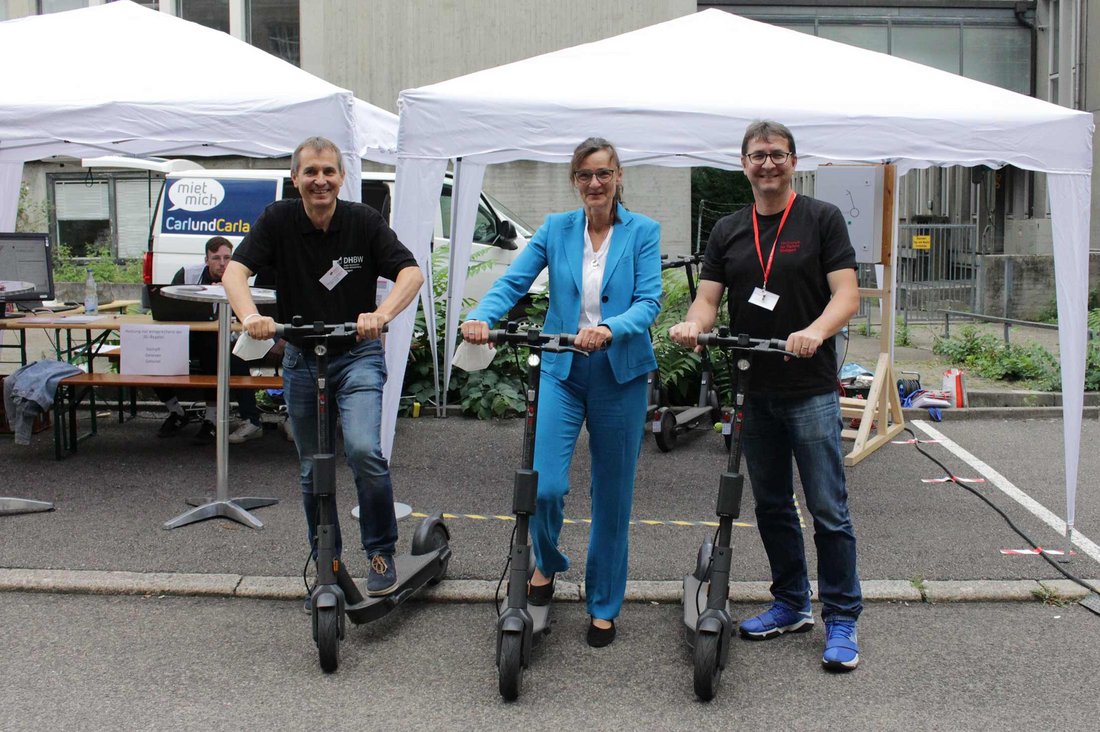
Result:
{"points": [[605, 285]]}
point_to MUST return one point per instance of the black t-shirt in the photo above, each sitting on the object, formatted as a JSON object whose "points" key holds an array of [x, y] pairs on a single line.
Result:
{"points": [[181, 275], [284, 241], [814, 242]]}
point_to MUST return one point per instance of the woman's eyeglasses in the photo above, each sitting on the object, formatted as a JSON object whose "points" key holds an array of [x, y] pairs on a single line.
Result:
{"points": [[777, 157], [602, 175]]}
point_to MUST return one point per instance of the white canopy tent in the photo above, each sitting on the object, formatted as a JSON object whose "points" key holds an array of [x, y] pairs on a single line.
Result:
{"points": [[681, 93], [125, 80]]}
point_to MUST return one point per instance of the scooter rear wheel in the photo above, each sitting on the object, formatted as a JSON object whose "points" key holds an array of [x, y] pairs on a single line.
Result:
{"points": [[666, 438], [328, 638], [708, 672], [510, 665]]}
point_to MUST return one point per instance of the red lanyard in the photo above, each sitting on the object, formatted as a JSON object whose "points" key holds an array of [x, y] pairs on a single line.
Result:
{"points": [[756, 234]]}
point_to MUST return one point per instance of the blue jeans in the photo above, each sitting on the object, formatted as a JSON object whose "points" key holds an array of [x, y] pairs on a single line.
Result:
{"points": [[615, 416], [808, 429], [355, 381]]}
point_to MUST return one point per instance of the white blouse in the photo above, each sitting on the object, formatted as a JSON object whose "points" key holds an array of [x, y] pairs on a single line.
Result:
{"points": [[592, 279]]}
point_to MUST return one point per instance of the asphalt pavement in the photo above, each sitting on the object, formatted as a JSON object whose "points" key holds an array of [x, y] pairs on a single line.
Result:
{"points": [[114, 621], [183, 663]]}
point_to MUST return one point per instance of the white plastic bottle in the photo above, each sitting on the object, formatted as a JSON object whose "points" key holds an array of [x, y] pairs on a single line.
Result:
{"points": [[91, 297]]}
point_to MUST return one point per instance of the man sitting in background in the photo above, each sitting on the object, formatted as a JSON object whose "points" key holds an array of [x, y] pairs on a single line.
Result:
{"points": [[204, 349]]}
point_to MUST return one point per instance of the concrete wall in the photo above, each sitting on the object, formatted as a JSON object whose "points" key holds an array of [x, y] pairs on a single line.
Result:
{"points": [[1030, 284], [1028, 236], [377, 49]]}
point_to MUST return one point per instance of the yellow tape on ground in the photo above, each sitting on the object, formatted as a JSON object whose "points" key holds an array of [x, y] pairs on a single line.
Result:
{"points": [[642, 522]]}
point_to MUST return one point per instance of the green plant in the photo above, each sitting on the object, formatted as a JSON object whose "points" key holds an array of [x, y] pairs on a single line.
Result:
{"points": [[902, 336], [863, 328], [1050, 596], [68, 268], [990, 357], [495, 392], [30, 216]]}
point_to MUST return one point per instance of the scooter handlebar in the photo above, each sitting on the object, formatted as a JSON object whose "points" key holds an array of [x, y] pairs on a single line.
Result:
{"points": [[742, 342], [536, 339], [336, 330]]}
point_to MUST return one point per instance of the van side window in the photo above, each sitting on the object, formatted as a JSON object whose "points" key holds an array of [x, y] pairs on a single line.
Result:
{"points": [[485, 225]]}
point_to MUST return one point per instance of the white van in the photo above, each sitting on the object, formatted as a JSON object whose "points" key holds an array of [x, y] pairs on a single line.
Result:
{"points": [[197, 203]]}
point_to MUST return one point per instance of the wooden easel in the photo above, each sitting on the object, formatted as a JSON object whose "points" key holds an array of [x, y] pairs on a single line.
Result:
{"points": [[881, 412]]}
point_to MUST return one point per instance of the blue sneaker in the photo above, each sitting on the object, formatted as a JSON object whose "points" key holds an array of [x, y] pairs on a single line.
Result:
{"points": [[776, 620], [841, 645], [382, 578]]}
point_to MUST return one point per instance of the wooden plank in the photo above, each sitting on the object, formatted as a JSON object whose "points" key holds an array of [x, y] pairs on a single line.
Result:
{"points": [[194, 381]]}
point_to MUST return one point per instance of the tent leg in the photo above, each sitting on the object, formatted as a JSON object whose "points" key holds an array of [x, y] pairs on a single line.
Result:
{"points": [[1068, 557]]}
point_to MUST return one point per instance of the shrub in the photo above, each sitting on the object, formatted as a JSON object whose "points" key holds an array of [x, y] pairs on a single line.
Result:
{"points": [[67, 268], [990, 357], [495, 392]]}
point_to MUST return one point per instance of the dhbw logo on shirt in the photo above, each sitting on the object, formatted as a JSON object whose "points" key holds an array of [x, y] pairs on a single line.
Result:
{"points": [[349, 263]]}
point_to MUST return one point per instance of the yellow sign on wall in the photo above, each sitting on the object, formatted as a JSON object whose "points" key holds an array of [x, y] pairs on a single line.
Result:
{"points": [[922, 241]]}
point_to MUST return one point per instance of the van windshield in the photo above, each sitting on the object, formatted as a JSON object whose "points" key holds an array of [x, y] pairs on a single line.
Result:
{"points": [[525, 229]]}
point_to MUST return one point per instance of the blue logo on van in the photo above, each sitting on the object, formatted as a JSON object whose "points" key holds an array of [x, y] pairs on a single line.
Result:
{"points": [[226, 207]]}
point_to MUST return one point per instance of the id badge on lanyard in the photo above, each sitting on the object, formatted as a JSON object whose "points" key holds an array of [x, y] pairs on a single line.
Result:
{"points": [[760, 296]]}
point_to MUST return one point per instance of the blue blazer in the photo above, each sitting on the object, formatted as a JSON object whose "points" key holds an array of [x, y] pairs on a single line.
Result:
{"points": [[631, 291]]}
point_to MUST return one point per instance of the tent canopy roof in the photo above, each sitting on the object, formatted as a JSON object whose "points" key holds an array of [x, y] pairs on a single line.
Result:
{"points": [[682, 92], [158, 85]]}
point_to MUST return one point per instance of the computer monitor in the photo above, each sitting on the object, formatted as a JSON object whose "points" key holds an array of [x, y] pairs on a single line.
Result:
{"points": [[28, 258]]}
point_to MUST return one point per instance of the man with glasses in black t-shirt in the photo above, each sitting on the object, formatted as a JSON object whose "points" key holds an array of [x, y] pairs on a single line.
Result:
{"points": [[327, 256], [790, 270]]}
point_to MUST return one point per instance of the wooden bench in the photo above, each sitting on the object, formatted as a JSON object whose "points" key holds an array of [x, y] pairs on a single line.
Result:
{"points": [[72, 390]]}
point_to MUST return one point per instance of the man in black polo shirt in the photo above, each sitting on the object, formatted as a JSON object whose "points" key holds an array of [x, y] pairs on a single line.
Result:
{"points": [[327, 256], [790, 270]]}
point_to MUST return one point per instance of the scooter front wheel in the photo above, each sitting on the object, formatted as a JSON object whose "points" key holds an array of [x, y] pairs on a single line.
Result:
{"points": [[510, 665], [708, 672], [328, 638]]}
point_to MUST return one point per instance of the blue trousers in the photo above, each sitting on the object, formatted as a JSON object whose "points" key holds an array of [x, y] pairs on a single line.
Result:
{"points": [[355, 381], [615, 416], [809, 430]]}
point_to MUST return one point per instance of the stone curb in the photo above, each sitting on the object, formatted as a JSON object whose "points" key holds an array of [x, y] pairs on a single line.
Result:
{"points": [[662, 592]]}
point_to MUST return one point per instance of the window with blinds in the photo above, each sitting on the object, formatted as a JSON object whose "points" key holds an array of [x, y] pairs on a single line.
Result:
{"points": [[108, 215]]}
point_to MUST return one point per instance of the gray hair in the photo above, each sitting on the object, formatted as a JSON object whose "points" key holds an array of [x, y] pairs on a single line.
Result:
{"points": [[317, 145], [594, 145], [762, 129]]}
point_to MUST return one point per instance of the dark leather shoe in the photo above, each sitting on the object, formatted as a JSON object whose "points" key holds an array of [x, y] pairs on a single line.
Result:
{"points": [[206, 434], [600, 637], [541, 594]]}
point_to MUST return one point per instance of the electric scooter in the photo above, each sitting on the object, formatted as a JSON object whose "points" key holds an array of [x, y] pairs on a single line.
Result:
{"points": [[710, 628], [668, 425], [520, 624], [336, 594]]}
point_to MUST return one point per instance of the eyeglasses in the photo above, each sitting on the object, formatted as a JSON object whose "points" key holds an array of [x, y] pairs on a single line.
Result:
{"points": [[585, 176], [777, 157]]}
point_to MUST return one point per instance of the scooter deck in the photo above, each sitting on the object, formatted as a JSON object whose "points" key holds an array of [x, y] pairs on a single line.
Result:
{"points": [[413, 572], [540, 616], [693, 588]]}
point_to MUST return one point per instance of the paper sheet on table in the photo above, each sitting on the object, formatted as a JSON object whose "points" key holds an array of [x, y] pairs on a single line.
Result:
{"points": [[61, 319], [469, 357], [250, 349]]}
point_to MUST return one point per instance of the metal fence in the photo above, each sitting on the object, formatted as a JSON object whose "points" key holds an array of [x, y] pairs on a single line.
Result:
{"points": [[938, 268]]}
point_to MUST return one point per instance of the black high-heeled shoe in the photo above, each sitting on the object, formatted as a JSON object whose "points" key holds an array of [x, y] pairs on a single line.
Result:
{"points": [[600, 637], [541, 594]]}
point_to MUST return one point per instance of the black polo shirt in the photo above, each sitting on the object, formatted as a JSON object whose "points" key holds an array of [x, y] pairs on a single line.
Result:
{"points": [[814, 242], [284, 241]]}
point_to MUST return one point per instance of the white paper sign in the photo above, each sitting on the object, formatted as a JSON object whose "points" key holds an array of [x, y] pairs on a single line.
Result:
{"points": [[469, 357], [154, 350], [249, 349]]}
